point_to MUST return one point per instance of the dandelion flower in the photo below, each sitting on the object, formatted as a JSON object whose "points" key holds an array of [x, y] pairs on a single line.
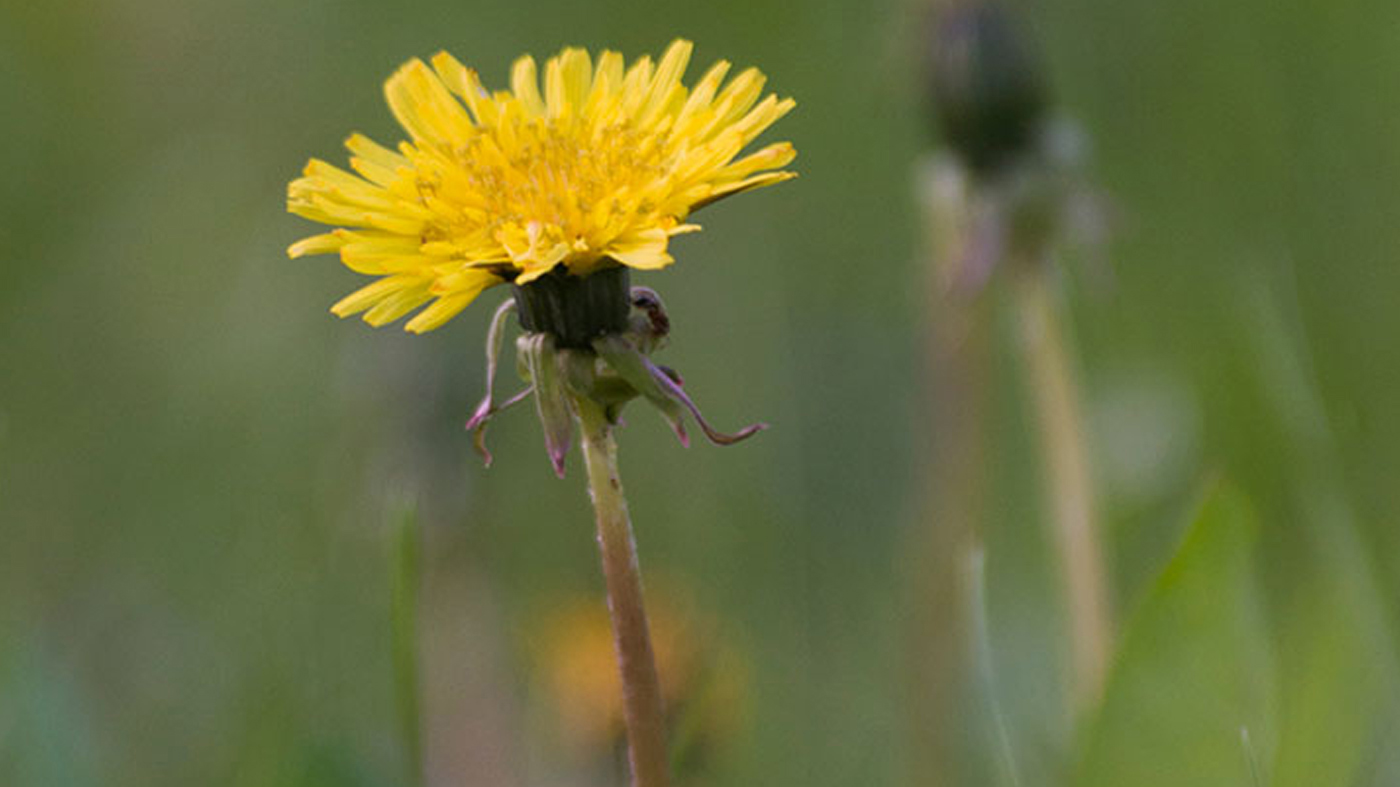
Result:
{"points": [[597, 170], [560, 193]]}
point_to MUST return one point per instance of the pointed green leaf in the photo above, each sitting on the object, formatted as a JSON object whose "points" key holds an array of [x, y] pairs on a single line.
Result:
{"points": [[1190, 699]]}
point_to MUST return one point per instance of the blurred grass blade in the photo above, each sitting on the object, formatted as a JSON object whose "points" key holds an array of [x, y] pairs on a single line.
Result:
{"points": [[1006, 767], [1256, 776], [405, 573], [1340, 683], [1193, 669], [1335, 684]]}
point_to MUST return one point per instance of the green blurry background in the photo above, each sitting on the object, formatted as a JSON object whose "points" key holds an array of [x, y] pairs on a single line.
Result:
{"points": [[201, 470]]}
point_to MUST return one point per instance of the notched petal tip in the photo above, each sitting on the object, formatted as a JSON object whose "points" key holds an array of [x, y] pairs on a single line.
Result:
{"points": [[670, 381], [721, 438], [557, 460]]}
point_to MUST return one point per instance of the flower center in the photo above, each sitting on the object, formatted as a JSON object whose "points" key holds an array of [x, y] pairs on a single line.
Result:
{"points": [[562, 183]]}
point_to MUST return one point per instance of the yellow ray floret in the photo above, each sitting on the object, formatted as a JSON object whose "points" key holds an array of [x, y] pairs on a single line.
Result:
{"points": [[600, 167]]}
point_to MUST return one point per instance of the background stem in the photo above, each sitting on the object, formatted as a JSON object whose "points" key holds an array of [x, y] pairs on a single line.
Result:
{"points": [[641, 690], [954, 386], [1054, 397]]}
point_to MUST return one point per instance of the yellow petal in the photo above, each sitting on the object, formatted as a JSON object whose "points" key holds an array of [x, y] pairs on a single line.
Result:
{"points": [[644, 250], [736, 98], [777, 155], [607, 79], [447, 306], [755, 182], [397, 305], [566, 82], [316, 244], [373, 161], [441, 310], [525, 83], [372, 151], [373, 259], [422, 105], [703, 93], [466, 85], [664, 83], [770, 111], [672, 66], [463, 280], [634, 85], [367, 296]]}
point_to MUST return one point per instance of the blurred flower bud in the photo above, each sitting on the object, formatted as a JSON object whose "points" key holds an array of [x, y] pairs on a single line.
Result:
{"points": [[985, 83], [704, 681]]}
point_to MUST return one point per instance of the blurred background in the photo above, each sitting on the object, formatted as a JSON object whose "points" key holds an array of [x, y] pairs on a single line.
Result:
{"points": [[204, 475]]}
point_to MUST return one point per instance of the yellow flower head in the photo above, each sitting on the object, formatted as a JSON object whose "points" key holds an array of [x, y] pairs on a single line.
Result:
{"points": [[600, 169]]}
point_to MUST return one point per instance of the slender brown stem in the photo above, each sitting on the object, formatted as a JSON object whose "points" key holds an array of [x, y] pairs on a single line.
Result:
{"points": [[641, 691], [1055, 399], [955, 389]]}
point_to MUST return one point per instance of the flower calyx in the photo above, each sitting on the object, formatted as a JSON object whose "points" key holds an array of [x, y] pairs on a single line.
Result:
{"points": [[570, 350]]}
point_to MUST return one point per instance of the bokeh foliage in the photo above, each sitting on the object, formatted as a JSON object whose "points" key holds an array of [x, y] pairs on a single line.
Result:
{"points": [[201, 470]]}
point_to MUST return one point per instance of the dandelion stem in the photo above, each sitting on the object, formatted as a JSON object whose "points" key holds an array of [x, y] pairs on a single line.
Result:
{"points": [[1055, 401], [642, 702]]}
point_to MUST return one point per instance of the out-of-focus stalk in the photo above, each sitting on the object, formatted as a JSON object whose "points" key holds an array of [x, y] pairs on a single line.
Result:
{"points": [[954, 381], [1022, 193], [405, 575], [1054, 398]]}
